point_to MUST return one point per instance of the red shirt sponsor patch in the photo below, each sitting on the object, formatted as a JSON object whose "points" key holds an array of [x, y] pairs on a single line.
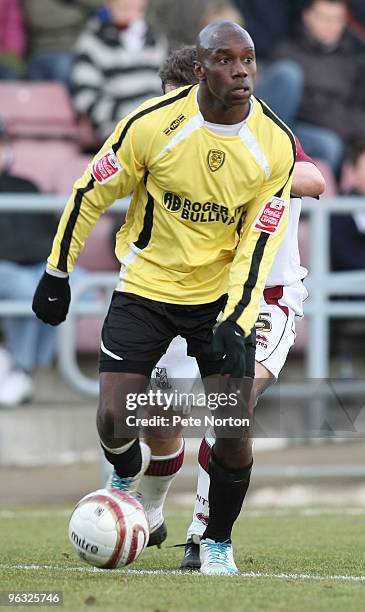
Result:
{"points": [[106, 167], [270, 216]]}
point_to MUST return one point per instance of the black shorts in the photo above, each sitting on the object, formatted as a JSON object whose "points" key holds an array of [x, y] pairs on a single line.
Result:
{"points": [[137, 332]]}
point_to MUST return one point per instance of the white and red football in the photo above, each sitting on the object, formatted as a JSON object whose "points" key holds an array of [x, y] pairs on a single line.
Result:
{"points": [[108, 528]]}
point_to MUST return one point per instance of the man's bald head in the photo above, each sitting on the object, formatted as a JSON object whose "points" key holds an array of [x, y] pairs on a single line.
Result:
{"points": [[219, 34], [226, 70]]}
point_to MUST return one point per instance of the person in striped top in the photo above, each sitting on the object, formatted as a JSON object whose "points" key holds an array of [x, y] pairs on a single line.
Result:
{"points": [[116, 64]]}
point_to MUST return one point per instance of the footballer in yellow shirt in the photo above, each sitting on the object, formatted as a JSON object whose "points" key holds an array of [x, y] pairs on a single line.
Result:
{"points": [[208, 211], [210, 169]]}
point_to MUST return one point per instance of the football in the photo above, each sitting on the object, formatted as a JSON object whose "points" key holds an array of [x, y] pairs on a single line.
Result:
{"points": [[108, 528]]}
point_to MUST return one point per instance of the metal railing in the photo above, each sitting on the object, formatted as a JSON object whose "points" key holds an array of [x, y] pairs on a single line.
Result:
{"points": [[319, 309]]}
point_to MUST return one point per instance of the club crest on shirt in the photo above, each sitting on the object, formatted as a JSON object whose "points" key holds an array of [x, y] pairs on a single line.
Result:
{"points": [[263, 324], [161, 378], [216, 159]]}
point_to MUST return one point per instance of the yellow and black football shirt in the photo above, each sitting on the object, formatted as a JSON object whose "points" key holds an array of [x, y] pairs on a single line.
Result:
{"points": [[208, 212]]}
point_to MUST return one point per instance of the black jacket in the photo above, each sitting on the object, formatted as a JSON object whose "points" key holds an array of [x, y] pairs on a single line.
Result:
{"points": [[334, 87], [347, 242], [270, 22], [25, 238]]}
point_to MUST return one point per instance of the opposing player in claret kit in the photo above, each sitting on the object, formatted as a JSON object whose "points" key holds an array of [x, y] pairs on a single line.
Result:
{"points": [[281, 304], [210, 168]]}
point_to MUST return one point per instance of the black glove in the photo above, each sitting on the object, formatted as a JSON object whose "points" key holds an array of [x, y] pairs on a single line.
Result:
{"points": [[229, 340], [52, 299]]}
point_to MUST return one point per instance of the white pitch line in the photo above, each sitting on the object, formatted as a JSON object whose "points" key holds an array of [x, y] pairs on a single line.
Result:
{"points": [[96, 570]]}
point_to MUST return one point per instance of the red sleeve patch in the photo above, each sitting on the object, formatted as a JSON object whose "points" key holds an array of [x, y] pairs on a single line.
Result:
{"points": [[270, 216], [106, 167]]}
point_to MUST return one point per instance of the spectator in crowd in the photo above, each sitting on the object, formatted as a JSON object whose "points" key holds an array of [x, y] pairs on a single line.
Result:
{"points": [[25, 240], [53, 27], [221, 10], [330, 81], [12, 40], [356, 22], [348, 231], [279, 85], [116, 65], [269, 22], [180, 23]]}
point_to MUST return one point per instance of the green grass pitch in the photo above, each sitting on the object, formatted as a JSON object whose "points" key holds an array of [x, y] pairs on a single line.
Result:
{"points": [[300, 561]]}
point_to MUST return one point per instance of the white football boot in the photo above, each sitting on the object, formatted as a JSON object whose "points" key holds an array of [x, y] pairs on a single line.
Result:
{"points": [[130, 483], [217, 558]]}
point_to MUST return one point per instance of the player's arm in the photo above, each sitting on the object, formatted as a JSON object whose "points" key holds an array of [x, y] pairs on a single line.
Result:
{"points": [[264, 228], [113, 174], [307, 178]]}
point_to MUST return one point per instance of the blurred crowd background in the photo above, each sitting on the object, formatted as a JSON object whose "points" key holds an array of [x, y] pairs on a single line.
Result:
{"points": [[71, 69]]}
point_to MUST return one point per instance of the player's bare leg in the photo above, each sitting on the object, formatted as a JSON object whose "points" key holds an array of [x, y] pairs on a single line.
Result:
{"points": [[162, 446], [179, 371], [120, 442], [263, 380]]}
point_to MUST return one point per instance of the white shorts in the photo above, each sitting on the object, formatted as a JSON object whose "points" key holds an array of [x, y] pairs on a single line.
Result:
{"points": [[275, 335], [275, 327]]}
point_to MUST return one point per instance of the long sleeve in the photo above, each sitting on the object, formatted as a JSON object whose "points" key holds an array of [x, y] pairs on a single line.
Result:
{"points": [[263, 229], [113, 174]]}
